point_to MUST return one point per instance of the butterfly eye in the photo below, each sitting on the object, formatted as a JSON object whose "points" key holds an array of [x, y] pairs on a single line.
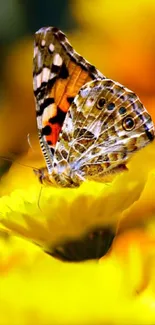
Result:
{"points": [[128, 123], [101, 103]]}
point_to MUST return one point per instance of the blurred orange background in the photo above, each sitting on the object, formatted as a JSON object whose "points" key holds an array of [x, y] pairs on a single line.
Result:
{"points": [[118, 37]]}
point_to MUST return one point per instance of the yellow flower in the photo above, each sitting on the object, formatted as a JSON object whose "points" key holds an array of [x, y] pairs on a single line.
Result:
{"points": [[48, 215], [37, 289]]}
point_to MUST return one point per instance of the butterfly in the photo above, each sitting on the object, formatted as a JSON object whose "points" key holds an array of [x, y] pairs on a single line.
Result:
{"points": [[88, 125]]}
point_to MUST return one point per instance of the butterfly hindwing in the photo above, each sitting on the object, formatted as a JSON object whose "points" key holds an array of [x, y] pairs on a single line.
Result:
{"points": [[58, 74], [105, 124]]}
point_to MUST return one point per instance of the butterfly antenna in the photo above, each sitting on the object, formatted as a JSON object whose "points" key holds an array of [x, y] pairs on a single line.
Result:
{"points": [[16, 162], [29, 142]]}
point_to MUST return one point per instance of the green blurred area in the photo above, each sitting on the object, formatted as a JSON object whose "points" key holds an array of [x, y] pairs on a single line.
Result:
{"points": [[18, 22], [20, 18]]}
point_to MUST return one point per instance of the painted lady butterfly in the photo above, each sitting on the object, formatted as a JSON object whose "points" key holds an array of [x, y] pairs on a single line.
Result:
{"points": [[88, 125]]}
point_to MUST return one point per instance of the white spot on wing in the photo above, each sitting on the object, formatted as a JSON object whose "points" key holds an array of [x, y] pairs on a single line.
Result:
{"points": [[57, 60], [45, 74], [37, 80], [68, 126], [39, 59], [43, 42], [90, 102], [96, 128], [39, 122], [84, 92], [51, 47], [49, 112]]}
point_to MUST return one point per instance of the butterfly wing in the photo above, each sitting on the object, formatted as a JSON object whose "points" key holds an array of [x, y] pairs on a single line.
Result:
{"points": [[104, 126], [58, 74]]}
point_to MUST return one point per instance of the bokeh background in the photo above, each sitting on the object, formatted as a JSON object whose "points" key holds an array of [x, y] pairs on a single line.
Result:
{"points": [[117, 36]]}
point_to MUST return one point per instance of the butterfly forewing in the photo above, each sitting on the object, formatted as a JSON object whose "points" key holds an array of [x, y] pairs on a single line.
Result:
{"points": [[58, 73]]}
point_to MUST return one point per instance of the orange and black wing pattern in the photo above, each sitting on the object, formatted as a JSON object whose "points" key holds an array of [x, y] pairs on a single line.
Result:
{"points": [[58, 74]]}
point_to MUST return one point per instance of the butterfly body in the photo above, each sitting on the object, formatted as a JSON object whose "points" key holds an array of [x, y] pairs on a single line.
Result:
{"points": [[88, 125]]}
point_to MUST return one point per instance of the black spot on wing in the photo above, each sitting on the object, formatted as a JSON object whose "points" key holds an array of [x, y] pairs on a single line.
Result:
{"points": [[85, 132], [70, 100], [64, 73], [92, 69], [45, 88], [55, 68], [51, 83], [64, 154], [39, 93], [49, 142], [52, 150], [59, 118], [54, 30], [61, 70], [109, 84], [149, 134], [46, 130], [61, 36], [46, 103]]}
